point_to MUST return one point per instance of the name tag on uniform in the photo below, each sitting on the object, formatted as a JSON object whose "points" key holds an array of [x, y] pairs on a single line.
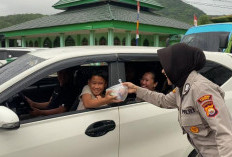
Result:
{"points": [[188, 110]]}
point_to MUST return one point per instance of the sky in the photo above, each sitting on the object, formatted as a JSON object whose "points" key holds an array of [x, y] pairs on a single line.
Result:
{"points": [[11, 7], [213, 7]]}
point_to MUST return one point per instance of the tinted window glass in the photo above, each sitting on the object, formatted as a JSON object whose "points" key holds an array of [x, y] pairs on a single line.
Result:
{"points": [[4, 54], [216, 73], [210, 41], [18, 66], [134, 72]]}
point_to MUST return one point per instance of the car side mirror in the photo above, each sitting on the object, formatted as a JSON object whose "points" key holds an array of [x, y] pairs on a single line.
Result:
{"points": [[8, 119]]}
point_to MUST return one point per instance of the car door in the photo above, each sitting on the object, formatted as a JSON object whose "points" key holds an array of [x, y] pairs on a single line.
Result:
{"points": [[147, 130], [63, 136], [78, 133]]}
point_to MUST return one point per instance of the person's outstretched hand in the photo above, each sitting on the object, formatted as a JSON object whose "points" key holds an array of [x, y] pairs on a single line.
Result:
{"points": [[131, 87]]}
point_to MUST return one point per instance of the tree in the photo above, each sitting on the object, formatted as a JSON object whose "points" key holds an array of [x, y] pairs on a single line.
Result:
{"points": [[7, 21], [204, 19]]}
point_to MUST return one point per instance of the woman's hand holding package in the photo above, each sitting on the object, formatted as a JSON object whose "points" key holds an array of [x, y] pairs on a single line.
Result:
{"points": [[131, 87]]}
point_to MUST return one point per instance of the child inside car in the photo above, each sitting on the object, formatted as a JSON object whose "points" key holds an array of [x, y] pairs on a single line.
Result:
{"points": [[92, 95]]}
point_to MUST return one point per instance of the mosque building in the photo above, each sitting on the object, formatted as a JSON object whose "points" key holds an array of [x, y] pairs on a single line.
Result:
{"points": [[95, 22]]}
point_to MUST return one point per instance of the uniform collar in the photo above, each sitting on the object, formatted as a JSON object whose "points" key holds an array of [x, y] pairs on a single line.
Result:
{"points": [[188, 83]]}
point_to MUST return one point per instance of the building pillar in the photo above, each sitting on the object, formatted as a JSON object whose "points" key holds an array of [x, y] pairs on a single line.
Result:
{"points": [[92, 38], [78, 40], [15, 43], [128, 38], [52, 40], [140, 40], [156, 40], [6, 42], [40, 42], [110, 37], [23, 41], [62, 42]]}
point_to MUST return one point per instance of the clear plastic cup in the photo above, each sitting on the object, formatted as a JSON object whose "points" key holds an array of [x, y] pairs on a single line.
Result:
{"points": [[119, 90]]}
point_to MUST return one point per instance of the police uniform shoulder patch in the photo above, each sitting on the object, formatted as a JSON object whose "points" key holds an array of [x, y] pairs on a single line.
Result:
{"points": [[194, 129], [204, 98], [210, 109]]}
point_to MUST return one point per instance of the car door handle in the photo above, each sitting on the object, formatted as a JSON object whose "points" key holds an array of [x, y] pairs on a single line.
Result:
{"points": [[100, 128]]}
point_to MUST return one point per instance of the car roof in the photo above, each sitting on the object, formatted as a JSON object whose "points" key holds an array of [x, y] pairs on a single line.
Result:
{"points": [[29, 49], [78, 51], [57, 54], [219, 27]]}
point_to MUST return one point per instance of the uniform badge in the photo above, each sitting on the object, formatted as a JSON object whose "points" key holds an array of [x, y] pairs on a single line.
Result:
{"points": [[204, 98], [186, 88], [174, 90], [194, 129], [210, 109]]}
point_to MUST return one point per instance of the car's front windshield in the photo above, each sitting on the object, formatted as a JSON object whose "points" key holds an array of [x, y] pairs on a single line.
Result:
{"points": [[18, 66], [209, 41]]}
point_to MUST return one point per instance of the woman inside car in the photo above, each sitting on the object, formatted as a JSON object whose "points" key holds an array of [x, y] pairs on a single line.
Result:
{"points": [[148, 81]]}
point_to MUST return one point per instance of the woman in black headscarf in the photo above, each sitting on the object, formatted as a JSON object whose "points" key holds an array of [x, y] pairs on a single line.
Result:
{"points": [[202, 112]]}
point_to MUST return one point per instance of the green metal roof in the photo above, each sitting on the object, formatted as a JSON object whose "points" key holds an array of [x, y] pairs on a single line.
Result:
{"points": [[64, 4], [104, 12]]}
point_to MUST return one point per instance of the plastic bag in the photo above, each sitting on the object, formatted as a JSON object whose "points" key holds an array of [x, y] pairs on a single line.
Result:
{"points": [[119, 90]]}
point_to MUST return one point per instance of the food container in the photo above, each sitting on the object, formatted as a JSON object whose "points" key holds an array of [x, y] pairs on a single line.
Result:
{"points": [[119, 90]]}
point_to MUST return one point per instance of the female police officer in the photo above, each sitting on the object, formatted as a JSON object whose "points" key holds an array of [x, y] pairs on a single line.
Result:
{"points": [[203, 115]]}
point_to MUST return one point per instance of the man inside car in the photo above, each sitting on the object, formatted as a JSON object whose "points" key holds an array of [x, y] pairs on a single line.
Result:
{"points": [[61, 100]]}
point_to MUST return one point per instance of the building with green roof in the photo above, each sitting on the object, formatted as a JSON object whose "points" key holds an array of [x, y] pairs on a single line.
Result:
{"points": [[95, 22]]}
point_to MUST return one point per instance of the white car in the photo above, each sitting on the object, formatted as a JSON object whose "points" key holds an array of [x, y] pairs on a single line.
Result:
{"points": [[127, 129]]}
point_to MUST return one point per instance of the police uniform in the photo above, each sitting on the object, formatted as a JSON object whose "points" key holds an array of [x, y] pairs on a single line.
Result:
{"points": [[202, 115]]}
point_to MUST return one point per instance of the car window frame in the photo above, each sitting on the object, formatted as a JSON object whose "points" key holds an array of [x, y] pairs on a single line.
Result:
{"points": [[112, 69], [112, 80], [52, 68], [143, 57]]}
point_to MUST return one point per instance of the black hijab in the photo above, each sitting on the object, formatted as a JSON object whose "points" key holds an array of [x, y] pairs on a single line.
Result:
{"points": [[179, 60]]}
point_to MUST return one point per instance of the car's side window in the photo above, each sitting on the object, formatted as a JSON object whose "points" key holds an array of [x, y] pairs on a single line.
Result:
{"points": [[84, 73], [134, 72], [49, 94], [138, 73], [216, 72]]}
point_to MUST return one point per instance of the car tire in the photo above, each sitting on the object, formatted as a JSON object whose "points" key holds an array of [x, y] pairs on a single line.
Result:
{"points": [[193, 153]]}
